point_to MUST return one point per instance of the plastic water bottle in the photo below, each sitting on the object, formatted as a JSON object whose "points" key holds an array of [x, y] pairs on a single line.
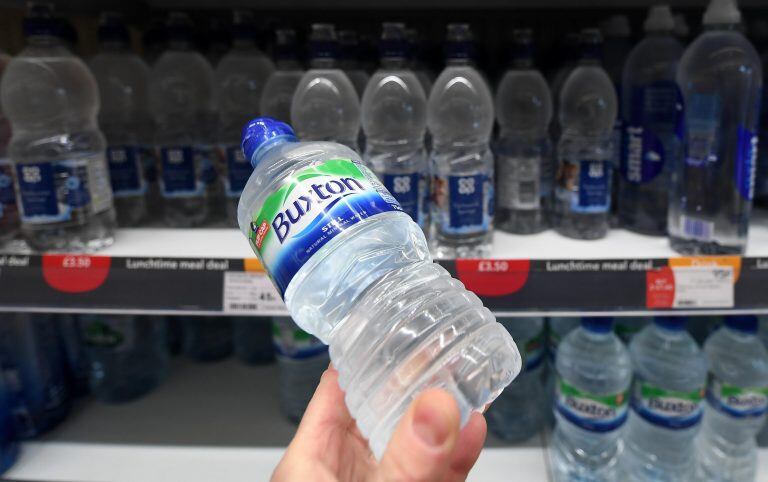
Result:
{"points": [[181, 94], [584, 179], [278, 92], [460, 119], [416, 63], [347, 270], [712, 193], [9, 212], [253, 340], [77, 365], [737, 402], [524, 170], [239, 81], [618, 43], [325, 106], [594, 374], [626, 327], [667, 403], [206, 339], [348, 60], [653, 115], [33, 366], [128, 355], [301, 361], [394, 112], [124, 117], [519, 412], [51, 100]]}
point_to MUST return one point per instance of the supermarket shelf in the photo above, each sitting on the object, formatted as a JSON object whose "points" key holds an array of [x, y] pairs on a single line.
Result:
{"points": [[207, 422], [195, 271]]}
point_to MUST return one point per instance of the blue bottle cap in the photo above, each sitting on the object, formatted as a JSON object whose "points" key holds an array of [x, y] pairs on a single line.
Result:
{"points": [[263, 132], [112, 28], [672, 323], [39, 20], [742, 323], [597, 324]]}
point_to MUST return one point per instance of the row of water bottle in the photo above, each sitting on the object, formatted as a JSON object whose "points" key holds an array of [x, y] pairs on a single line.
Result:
{"points": [[48, 360]]}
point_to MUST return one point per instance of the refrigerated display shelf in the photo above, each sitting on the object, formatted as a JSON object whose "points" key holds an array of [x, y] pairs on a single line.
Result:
{"points": [[217, 421], [214, 272]]}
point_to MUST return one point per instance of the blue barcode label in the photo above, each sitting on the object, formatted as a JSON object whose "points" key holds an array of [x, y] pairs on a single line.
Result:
{"points": [[697, 228]]}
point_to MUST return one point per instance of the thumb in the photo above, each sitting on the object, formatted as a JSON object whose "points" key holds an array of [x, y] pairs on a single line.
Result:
{"points": [[421, 447]]}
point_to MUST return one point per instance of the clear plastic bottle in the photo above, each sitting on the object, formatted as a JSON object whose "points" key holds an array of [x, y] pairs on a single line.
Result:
{"points": [[394, 112], [128, 355], [301, 361], [720, 76], [206, 338], [627, 327], [584, 179], [124, 117], [360, 278], [9, 212], [594, 374], [460, 118], [253, 340], [653, 115], [524, 165], [349, 52], [239, 81], [181, 95], [519, 412], [51, 100], [325, 106], [667, 403], [278, 92], [33, 365], [737, 402]]}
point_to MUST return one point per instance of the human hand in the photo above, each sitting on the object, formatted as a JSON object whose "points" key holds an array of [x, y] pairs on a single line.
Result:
{"points": [[427, 445]]}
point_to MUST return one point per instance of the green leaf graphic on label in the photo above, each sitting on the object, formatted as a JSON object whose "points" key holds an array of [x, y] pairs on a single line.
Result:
{"points": [[100, 334], [651, 391]]}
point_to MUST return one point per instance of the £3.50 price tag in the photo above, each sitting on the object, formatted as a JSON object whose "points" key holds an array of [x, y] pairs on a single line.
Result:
{"points": [[251, 293]]}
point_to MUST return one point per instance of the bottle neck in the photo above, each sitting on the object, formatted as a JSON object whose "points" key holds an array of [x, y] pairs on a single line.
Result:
{"points": [[522, 63], [270, 145], [323, 63], [458, 61], [244, 43], [394, 62], [43, 41]]}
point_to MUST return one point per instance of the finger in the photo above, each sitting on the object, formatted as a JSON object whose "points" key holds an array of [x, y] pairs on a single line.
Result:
{"points": [[421, 447], [468, 447]]}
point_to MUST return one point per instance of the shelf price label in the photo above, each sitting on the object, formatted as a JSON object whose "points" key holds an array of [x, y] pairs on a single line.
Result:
{"points": [[691, 286], [251, 293], [75, 273]]}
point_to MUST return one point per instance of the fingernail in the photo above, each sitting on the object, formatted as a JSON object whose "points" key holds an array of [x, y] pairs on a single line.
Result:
{"points": [[430, 424]]}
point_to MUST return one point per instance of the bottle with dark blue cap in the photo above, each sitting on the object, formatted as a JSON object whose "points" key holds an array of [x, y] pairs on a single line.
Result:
{"points": [[737, 400], [278, 92], [394, 112], [667, 401], [326, 106], [125, 120], [343, 255], [594, 374], [239, 81]]}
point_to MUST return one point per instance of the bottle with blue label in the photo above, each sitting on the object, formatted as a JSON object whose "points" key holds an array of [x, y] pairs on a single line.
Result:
{"points": [[52, 100], [207, 338], [325, 106], [394, 112], [524, 169], [667, 403], [239, 79], [344, 255], [653, 116], [460, 118], [182, 100], [32, 364], [519, 412], [584, 177], [737, 402], [278, 92], [9, 212], [594, 374], [301, 361], [124, 117], [253, 340], [711, 197], [128, 355]]}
